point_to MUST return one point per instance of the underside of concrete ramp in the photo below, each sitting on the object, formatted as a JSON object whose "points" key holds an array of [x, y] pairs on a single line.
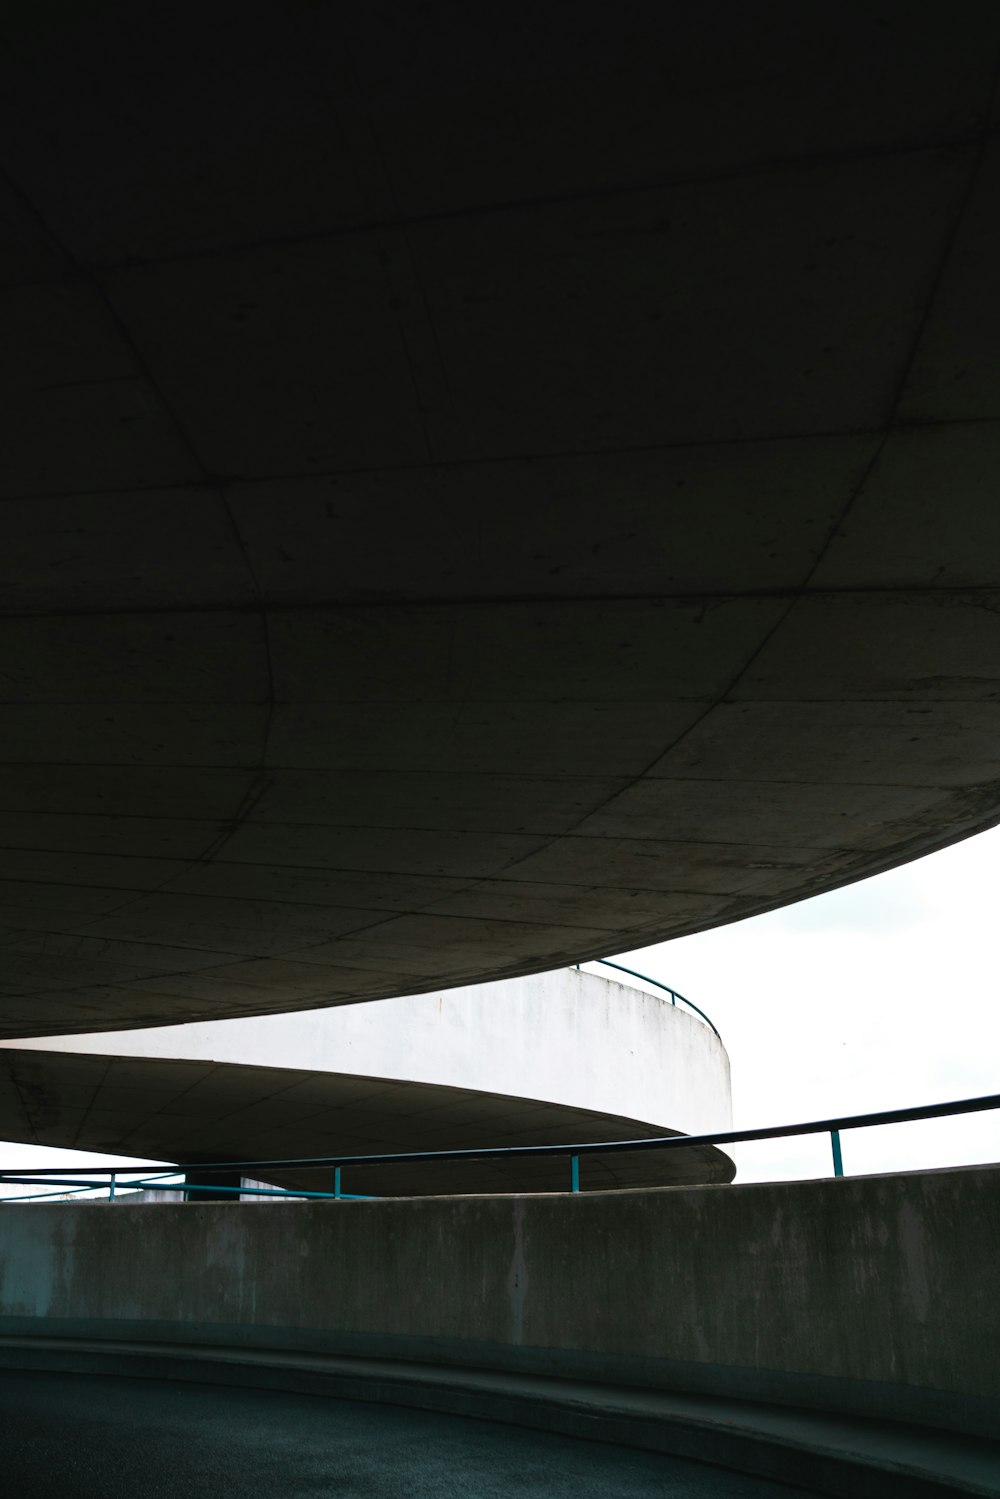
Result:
{"points": [[191, 1113], [483, 487]]}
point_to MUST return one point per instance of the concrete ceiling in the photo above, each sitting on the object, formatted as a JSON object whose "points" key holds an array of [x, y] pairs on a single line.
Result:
{"points": [[197, 1111], [482, 486]]}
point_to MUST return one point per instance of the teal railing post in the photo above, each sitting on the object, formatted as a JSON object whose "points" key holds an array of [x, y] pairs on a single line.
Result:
{"points": [[838, 1159], [575, 1173], [111, 1188], [336, 1181]]}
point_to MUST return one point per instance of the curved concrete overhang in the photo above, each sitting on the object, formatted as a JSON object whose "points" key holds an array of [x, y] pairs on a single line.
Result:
{"points": [[558, 1058], [477, 498]]}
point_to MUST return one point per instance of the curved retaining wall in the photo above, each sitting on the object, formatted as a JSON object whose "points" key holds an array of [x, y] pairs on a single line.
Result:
{"points": [[871, 1296], [568, 1037]]}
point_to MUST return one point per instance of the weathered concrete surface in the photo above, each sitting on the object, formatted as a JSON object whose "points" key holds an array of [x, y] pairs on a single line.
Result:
{"points": [[872, 1296], [481, 494], [565, 1056]]}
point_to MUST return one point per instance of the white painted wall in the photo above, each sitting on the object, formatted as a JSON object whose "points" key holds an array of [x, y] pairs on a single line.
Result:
{"points": [[567, 1037]]}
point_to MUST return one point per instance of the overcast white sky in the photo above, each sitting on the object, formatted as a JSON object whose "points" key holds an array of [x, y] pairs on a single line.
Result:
{"points": [[879, 996]]}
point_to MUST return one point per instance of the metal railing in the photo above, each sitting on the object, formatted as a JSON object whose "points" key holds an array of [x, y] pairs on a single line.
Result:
{"points": [[51, 1175], [674, 994]]}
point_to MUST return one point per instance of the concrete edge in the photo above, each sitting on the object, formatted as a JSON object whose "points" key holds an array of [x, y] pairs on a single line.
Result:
{"points": [[915, 1408], [845, 1458]]}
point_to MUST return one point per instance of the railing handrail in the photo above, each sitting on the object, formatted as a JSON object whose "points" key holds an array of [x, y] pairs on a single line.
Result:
{"points": [[45, 1174], [675, 994]]}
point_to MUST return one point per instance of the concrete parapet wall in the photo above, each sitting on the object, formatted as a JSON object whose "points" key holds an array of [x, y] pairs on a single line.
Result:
{"points": [[568, 1037], [557, 1058], [874, 1296]]}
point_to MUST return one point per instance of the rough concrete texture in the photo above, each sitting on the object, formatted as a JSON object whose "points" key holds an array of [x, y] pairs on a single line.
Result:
{"points": [[871, 1296], [482, 490], [262, 1445], [565, 1056]]}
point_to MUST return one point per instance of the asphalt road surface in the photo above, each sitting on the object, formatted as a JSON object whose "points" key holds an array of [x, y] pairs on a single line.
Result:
{"points": [[82, 1437]]}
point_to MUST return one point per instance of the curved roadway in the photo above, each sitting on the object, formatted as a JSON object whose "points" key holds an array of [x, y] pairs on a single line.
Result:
{"points": [[68, 1437]]}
